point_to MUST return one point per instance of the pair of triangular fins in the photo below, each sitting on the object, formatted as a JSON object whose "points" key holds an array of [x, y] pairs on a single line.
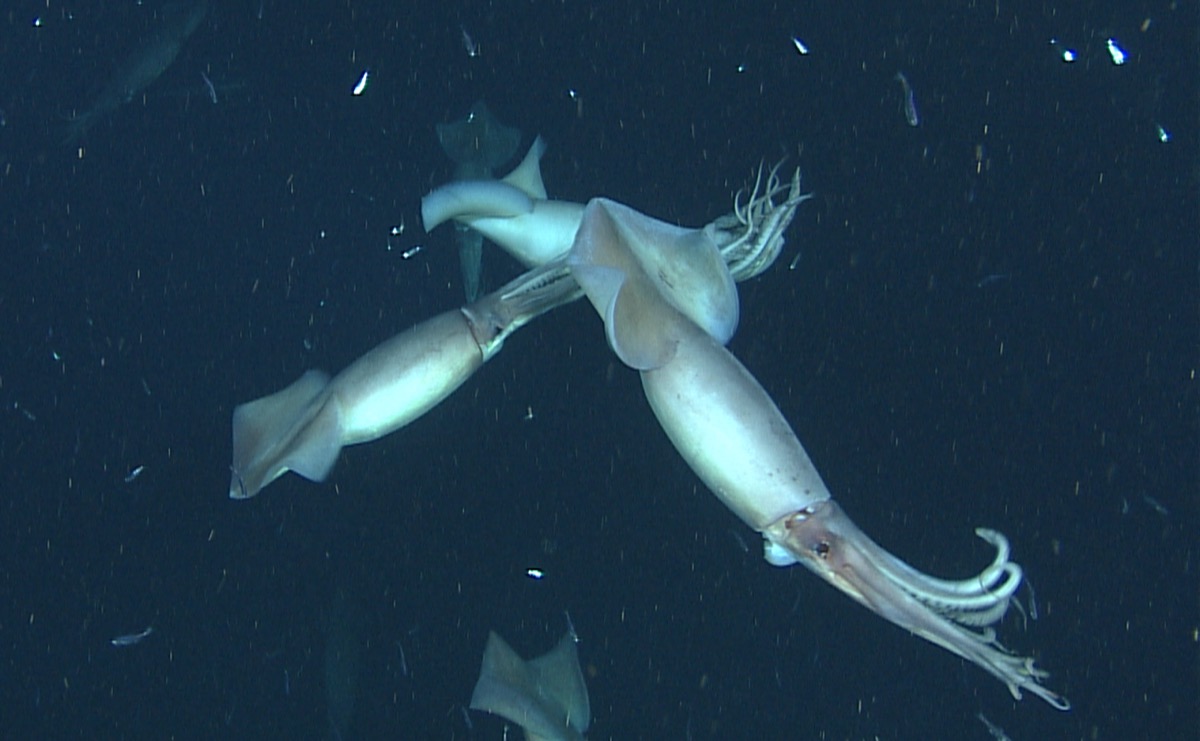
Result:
{"points": [[546, 696]]}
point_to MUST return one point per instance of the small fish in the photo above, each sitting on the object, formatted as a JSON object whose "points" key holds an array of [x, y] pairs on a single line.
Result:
{"points": [[741, 542], [212, 91], [996, 731], [403, 661], [469, 43], [910, 103], [988, 280], [361, 86], [1156, 505], [1115, 52], [1065, 53], [132, 639]]}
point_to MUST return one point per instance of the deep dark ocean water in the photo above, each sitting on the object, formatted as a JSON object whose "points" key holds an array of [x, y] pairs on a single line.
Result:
{"points": [[992, 322]]}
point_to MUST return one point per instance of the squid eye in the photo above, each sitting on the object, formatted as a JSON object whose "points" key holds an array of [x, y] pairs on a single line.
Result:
{"points": [[822, 550], [802, 515]]}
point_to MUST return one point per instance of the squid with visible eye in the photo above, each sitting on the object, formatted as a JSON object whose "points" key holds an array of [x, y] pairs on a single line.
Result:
{"points": [[668, 300], [668, 310]]}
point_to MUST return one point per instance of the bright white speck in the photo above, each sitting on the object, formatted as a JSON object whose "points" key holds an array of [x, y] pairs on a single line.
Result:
{"points": [[535, 573], [800, 47], [1164, 136], [1114, 51], [362, 82], [37, 22]]}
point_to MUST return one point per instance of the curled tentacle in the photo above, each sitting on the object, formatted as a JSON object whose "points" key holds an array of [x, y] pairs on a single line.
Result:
{"points": [[956, 615], [751, 237]]}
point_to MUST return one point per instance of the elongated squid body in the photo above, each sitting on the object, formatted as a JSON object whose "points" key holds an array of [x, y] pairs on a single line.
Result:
{"points": [[734, 437], [304, 427]]}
